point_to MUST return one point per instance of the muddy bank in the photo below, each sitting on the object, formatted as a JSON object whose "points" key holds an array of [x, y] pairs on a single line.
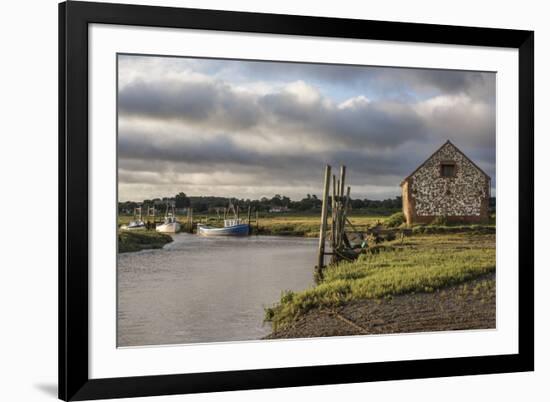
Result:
{"points": [[470, 305]]}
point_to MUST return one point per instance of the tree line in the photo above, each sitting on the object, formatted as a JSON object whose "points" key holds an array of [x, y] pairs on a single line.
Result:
{"points": [[278, 202], [310, 202]]}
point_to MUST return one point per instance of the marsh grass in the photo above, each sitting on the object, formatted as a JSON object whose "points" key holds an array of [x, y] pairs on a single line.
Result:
{"points": [[307, 225], [425, 265], [441, 229], [395, 220], [278, 224], [141, 240]]}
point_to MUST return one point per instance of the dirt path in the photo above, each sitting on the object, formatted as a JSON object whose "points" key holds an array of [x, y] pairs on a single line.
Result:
{"points": [[471, 305]]}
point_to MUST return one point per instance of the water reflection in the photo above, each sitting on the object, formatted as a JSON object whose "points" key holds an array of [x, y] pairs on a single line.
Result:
{"points": [[200, 289]]}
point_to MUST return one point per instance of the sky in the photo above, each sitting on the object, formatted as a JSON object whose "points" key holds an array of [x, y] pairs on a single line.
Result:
{"points": [[252, 129]]}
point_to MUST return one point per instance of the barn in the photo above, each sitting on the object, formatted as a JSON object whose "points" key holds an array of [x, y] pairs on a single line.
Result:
{"points": [[449, 185]]}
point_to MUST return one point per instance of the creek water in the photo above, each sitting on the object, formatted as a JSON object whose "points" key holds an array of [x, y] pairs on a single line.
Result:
{"points": [[200, 289]]}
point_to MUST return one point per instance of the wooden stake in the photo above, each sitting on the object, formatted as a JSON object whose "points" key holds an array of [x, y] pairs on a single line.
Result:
{"points": [[344, 217], [324, 214], [333, 223], [333, 220], [340, 222], [342, 180]]}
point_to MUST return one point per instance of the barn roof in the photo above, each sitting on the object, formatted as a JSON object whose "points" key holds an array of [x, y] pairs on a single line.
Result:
{"points": [[439, 149]]}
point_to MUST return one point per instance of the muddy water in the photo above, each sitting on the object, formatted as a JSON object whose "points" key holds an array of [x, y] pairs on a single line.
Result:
{"points": [[199, 289]]}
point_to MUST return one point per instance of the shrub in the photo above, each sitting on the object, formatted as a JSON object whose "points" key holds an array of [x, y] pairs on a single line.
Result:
{"points": [[439, 221], [395, 220]]}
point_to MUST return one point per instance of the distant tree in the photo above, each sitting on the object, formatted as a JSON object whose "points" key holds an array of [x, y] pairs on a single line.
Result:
{"points": [[182, 201], [276, 201], [356, 204]]}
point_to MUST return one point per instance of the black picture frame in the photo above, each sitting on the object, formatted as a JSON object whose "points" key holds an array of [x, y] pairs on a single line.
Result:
{"points": [[74, 18]]}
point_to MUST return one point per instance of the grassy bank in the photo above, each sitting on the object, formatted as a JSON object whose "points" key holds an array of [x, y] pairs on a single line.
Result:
{"points": [[307, 225], [471, 305], [303, 224], [422, 263], [141, 240]]}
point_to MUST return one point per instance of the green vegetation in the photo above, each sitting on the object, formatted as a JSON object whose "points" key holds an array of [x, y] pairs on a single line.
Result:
{"points": [[395, 220], [421, 264], [306, 225], [277, 224], [141, 240], [209, 204], [434, 229], [440, 221]]}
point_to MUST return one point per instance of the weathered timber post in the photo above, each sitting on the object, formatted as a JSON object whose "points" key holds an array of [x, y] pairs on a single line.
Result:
{"points": [[333, 219], [248, 221], [323, 228], [340, 190], [344, 217]]}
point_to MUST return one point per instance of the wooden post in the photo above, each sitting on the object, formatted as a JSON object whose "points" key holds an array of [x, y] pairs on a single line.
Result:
{"points": [[340, 190], [344, 217], [324, 215], [248, 221], [342, 180], [333, 220]]}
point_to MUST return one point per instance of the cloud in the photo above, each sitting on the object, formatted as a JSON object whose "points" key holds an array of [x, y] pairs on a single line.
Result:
{"points": [[217, 127], [298, 109]]}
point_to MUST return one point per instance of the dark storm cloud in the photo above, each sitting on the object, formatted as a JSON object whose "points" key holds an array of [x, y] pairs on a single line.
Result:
{"points": [[140, 153], [396, 80], [377, 124], [194, 101]]}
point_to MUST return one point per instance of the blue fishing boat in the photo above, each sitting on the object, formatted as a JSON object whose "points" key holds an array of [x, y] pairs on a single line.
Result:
{"points": [[231, 227]]}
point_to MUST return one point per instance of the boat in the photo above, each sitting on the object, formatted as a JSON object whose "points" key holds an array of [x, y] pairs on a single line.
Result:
{"points": [[170, 225], [136, 223], [231, 227]]}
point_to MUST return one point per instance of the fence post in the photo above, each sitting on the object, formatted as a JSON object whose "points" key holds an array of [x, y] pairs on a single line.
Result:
{"points": [[323, 228]]}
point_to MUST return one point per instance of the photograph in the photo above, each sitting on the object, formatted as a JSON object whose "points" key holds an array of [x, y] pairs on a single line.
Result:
{"points": [[263, 200]]}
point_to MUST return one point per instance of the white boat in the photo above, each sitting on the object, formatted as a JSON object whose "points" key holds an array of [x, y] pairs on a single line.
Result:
{"points": [[136, 223], [170, 225], [133, 225], [231, 227]]}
